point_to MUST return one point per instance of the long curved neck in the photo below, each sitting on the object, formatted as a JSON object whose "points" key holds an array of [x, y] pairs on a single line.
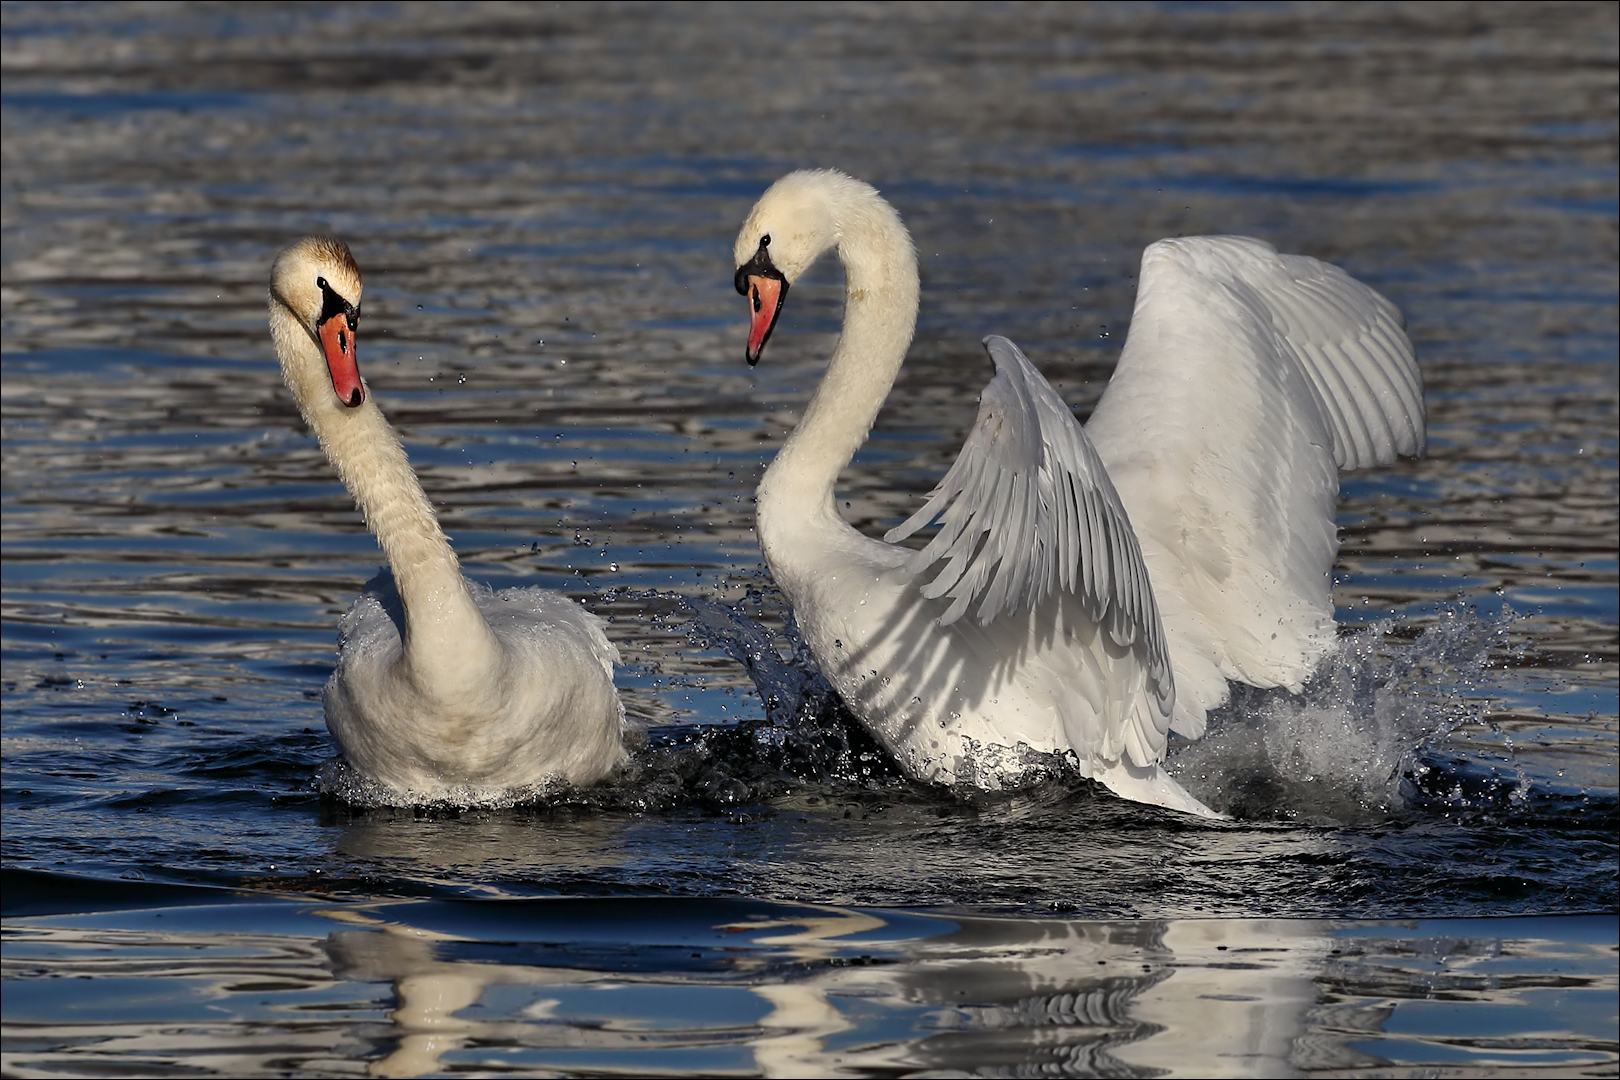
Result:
{"points": [[880, 315], [443, 626]]}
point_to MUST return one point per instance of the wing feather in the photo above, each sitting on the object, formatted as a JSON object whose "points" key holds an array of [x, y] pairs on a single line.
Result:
{"points": [[1358, 338], [1248, 379], [1028, 511]]}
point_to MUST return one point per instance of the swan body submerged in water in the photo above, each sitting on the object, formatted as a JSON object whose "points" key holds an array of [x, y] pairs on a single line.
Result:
{"points": [[444, 689], [1089, 590]]}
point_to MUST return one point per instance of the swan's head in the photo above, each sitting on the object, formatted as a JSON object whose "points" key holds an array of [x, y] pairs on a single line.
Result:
{"points": [[317, 283], [792, 224]]}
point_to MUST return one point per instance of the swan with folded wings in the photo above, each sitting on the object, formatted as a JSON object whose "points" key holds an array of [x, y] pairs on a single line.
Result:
{"points": [[1089, 590], [444, 690]]}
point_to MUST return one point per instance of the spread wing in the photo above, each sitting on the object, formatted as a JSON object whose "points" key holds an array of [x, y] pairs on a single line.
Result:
{"points": [[1249, 378], [1352, 346], [1028, 511]]}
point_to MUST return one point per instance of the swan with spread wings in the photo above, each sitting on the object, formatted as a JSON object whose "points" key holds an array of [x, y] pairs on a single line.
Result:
{"points": [[1089, 590]]}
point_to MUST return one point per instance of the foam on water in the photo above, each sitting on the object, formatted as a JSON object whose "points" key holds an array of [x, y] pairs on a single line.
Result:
{"points": [[337, 778]]}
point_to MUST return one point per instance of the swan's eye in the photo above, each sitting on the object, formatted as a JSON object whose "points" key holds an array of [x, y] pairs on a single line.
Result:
{"points": [[333, 305], [765, 241]]}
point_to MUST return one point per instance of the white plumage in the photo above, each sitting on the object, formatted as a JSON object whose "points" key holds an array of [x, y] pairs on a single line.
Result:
{"points": [[1248, 380], [1088, 589], [443, 690]]}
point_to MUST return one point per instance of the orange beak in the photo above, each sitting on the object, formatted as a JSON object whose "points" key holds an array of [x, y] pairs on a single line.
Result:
{"points": [[765, 296], [337, 342]]}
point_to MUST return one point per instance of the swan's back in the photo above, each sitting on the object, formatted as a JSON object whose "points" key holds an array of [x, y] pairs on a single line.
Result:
{"points": [[1249, 378]]}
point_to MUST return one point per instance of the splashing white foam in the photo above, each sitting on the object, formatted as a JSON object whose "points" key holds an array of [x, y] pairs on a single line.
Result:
{"points": [[1342, 750], [337, 778], [1349, 749]]}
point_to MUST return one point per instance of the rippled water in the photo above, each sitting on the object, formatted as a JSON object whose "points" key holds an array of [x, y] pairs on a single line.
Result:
{"points": [[543, 202]]}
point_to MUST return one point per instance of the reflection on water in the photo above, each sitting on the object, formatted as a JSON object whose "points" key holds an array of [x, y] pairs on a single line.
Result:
{"points": [[719, 986], [544, 199]]}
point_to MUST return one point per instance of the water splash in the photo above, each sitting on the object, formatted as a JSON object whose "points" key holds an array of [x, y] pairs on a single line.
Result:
{"points": [[1363, 742], [807, 737], [1356, 744], [337, 778], [818, 738]]}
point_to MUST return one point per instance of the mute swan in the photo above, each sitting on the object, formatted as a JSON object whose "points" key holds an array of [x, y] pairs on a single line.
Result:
{"points": [[1088, 590], [443, 689]]}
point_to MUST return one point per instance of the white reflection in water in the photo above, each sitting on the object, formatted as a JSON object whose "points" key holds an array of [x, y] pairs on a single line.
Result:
{"points": [[837, 992]]}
